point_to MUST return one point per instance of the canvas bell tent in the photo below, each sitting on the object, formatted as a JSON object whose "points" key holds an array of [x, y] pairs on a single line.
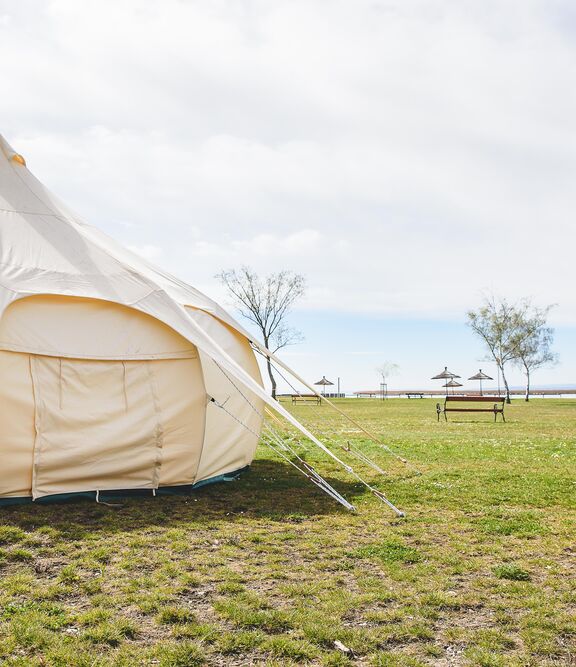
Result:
{"points": [[101, 383], [113, 374]]}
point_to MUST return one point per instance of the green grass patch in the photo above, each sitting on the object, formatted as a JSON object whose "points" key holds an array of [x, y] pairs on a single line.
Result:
{"points": [[388, 552], [179, 654], [11, 535], [175, 615], [518, 524], [512, 572]]}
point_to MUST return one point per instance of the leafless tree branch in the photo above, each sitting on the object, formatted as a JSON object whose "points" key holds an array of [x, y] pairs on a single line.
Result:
{"points": [[266, 302]]}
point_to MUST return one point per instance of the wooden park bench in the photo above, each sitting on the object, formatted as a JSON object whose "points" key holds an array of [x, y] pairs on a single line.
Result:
{"points": [[496, 408], [306, 398], [415, 394]]}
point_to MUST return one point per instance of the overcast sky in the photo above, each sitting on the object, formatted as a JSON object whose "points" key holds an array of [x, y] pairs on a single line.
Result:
{"points": [[405, 155]]}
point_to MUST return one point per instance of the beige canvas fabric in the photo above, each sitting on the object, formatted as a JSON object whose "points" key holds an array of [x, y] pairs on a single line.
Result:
{"points": [[96, 429], [226, 446], [116, 425], [17, 428], [136, 420], [96, 392], [88, 329]]}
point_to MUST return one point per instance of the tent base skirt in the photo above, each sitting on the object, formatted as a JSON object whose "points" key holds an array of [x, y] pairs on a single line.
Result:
{"points": [[104, 496]]}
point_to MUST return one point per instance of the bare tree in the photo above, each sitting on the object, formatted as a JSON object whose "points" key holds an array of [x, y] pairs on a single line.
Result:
{"points": [[266, 302], [534, 351], [505, 328], [385, 370]]}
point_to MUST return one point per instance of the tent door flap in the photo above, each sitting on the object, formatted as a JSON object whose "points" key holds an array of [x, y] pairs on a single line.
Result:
{"points": [[98, 426]]}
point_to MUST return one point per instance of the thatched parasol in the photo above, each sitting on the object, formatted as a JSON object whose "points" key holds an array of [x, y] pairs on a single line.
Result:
{"points": [[480, 376], [452, 383], [324, 382], [445, 375]]}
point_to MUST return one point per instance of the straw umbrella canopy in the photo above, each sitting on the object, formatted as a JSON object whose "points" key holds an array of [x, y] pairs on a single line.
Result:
{"points": [[480, 376], [452, 383], [446, 375], [324, 383]]}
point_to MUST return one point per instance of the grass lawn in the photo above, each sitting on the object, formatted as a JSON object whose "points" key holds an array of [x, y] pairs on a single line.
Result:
{"points": [[269, 571]]}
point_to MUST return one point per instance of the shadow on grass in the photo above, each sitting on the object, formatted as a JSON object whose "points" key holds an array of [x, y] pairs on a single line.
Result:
{"points": [[270, 489]]}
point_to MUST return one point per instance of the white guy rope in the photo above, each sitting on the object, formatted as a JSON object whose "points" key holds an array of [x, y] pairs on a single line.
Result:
{"points": [[360, 455], [291, 417], [309, 472], [316, 477], [373, 437]]}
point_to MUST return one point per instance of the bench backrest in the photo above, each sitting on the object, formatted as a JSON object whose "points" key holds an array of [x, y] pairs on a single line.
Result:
{"points": [[476, 399]]}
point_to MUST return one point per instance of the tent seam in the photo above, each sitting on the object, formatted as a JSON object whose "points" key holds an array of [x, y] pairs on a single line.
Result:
{"points": [[159, 429], [8, 347]]}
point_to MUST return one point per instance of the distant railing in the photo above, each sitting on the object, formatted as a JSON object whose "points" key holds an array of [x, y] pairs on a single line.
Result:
{"points": [[327, 395], [376, 393]]}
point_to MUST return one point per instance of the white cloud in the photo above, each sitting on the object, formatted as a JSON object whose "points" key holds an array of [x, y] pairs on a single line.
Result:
{"points": [[298, 244], [149, 252], [404, 154]]}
